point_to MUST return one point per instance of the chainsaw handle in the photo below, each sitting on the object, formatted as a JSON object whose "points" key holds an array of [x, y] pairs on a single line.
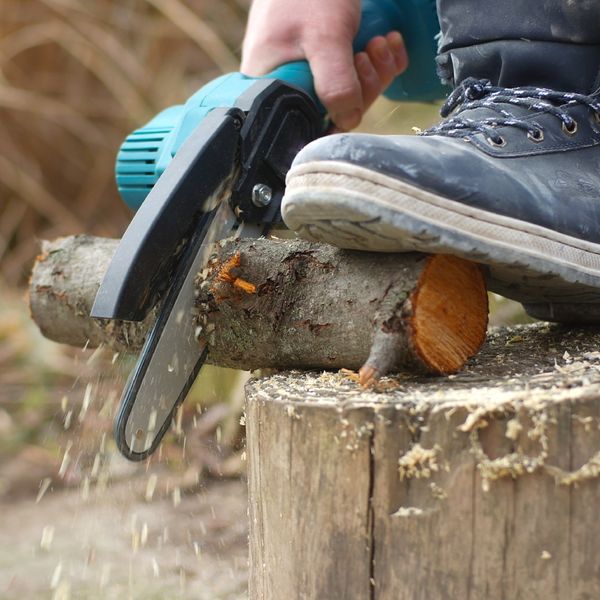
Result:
{"points": [[297, 73], [417, 21]]}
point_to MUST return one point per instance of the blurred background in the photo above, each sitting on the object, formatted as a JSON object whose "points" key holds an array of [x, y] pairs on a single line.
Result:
{"points": [[76, 76]]}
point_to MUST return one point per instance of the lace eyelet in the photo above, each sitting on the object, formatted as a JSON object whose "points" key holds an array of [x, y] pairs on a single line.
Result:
{"points": [[570, 130], [537, 135], [499, 143]]}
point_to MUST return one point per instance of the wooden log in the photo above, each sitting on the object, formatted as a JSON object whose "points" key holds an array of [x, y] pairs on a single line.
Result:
{"points": [[63, 284], [479, 485], [289, 304]]}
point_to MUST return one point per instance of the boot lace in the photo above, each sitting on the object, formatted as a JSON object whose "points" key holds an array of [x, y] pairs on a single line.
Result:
{"points": [[480, 93]]}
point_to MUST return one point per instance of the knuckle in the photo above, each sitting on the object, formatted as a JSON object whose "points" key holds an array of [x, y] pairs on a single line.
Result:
{"points": [[340, 96], [336, 94]]}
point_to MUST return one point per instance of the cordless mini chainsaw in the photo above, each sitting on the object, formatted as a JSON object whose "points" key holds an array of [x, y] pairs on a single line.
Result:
{"points": [[210, 169]]}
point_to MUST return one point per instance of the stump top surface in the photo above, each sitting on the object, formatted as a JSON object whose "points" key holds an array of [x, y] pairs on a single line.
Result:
{"points": [[533, 365]]}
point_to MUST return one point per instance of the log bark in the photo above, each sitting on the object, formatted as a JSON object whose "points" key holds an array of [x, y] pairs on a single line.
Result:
{"points": [[289, 304], [483, 484], [62, 288]]}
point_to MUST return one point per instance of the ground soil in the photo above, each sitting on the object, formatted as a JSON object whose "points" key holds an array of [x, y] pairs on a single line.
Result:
{"points": [[78, 521], [115, 544]]}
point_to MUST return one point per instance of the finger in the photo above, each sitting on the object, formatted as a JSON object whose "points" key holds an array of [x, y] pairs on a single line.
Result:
{"points": [[386, 60], [336, 82], [368, 77], [398, 48]]}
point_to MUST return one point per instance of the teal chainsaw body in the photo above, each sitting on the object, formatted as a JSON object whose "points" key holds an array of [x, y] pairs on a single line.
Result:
{"points": [[147, 152]]}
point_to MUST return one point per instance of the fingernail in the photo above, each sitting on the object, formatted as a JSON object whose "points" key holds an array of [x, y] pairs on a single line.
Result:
{"points": [[398, 47], [347, 120], [396, 41]]}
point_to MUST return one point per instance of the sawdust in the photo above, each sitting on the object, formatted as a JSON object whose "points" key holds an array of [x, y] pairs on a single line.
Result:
{"points": [[589, 470], [408, 511], [513, 429], [512, 465], [419, 462], [227, 273], [437, 492], [352, 435]]}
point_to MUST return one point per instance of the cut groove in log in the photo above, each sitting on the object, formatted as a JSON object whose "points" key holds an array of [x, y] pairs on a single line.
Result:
{"points": [[289, 304]]}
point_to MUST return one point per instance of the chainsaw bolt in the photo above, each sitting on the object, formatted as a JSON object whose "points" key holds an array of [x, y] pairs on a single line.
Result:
{"points": [[261, 195]]}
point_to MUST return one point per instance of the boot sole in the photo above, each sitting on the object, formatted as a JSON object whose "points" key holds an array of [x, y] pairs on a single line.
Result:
{"points": [[356, 208]]}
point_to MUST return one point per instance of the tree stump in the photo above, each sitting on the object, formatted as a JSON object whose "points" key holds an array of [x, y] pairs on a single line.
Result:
{"points": [[478, 485]]}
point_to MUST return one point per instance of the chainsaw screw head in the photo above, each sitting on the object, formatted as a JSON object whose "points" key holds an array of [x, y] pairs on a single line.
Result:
{"points": [[261, 195]]}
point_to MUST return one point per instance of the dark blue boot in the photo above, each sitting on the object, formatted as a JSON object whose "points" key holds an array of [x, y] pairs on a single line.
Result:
{"points": [[511, 177]]}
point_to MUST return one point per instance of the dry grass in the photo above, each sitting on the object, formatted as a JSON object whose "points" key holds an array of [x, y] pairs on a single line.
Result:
{"points": [[75, 77]]}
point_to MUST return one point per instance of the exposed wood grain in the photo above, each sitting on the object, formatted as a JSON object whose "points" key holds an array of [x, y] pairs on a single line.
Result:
{"points": [[290, 459]]}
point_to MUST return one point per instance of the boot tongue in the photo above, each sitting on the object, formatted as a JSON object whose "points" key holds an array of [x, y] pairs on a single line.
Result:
{"points": [[516, 63]]}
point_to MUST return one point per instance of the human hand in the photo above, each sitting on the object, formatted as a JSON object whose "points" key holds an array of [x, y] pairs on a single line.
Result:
{"points": [[377, 66], [281, 31]]}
